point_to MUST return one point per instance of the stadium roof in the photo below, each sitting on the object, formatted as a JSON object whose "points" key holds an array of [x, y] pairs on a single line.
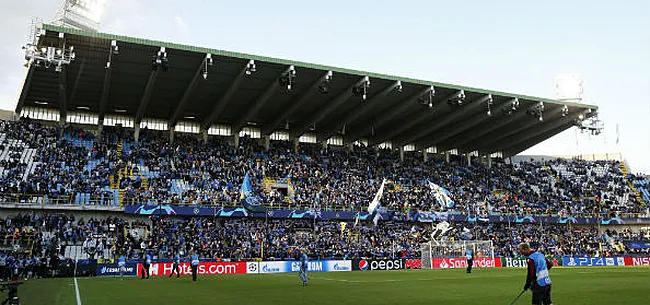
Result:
{"points": [[231, 96]]}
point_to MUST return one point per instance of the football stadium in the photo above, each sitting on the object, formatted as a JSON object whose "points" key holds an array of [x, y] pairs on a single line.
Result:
{"points": [[136, 171]]}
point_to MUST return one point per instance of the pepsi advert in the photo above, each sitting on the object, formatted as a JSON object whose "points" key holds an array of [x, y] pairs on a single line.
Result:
{"points": [[379, 264]]}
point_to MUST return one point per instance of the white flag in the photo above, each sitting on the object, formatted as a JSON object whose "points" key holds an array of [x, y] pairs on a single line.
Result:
{"points": [[375, 202]]}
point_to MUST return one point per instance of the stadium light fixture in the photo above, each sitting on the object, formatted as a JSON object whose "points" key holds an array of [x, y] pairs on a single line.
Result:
{"points": [[49, 56], [288, 78], [324, 85], [511, 107], [489, 101], [428, 99], [208, 63], [362, 89], [160, 60], [250, 67], [565, 110], [458, 99], [536, 111], [114, 48]]}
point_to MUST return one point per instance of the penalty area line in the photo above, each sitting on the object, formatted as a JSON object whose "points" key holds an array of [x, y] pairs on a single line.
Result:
{"points": [[76, 290]]}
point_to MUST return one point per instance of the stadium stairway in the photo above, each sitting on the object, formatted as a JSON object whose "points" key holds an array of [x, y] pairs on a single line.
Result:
{"points": [[637, 193]]}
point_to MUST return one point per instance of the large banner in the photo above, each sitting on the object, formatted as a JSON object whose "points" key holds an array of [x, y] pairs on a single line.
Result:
{"points": [[415, 216], [205, 268], [592, 261], [379, 264], [294, 266], [637, 261], [114, 270], [461, 262]]}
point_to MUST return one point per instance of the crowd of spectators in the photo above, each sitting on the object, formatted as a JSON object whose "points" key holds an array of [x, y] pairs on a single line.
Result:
{"points": [[191, 171], [32, 243]]}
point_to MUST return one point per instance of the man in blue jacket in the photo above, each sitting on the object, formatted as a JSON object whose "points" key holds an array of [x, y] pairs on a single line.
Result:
{"points": [[537, 278]]}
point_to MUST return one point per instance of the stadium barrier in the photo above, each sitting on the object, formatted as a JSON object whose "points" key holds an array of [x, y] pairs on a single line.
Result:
{"points": [[294, 266]]}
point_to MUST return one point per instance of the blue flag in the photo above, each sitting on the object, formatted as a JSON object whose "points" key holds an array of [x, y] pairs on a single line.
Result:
{"points": [[251, 202]]}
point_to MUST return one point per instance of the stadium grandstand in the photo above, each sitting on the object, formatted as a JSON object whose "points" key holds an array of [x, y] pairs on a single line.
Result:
{"points": [[128, 147]]}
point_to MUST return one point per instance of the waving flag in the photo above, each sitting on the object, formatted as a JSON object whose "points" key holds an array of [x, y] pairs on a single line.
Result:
{"points": [[375, 202], [251, 202], [441, 195]]}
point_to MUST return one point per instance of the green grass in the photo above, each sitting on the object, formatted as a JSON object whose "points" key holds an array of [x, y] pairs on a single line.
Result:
{"points": [[485, 286]]}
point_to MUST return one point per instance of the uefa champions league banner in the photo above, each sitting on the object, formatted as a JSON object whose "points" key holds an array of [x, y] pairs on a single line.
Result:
{"points": [[592, 261], [419, 216], [294, 266]]}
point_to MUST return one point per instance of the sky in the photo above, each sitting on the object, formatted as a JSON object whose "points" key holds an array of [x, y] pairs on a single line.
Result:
{"points": [[512, 46]]}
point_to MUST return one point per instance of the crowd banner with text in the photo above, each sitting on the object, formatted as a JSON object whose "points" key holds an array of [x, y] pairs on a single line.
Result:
{"points": [[205, 268], [415, 216]]}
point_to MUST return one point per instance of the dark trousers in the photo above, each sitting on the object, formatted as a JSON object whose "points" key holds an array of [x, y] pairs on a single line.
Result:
{"points": [[470, 264], [194, 271], [176, 268], [145, 270]]}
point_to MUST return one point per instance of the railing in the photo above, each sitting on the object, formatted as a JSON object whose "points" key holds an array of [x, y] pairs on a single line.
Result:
{"points": [[64, 202], [97, 203]]}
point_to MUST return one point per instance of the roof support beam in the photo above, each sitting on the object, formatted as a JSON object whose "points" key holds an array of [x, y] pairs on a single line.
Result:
{"points": [[259, 103], [63, 92], [446, 120], [26, 87], [354, 114], [497, 121], [458, 128], [527, 133], [506, 132], [329, 107], [224, 99], [295, 103], [146, 96], [107, 87], [194, 82], [464, 140], [73, 94], [532, 141], [389, 115]]}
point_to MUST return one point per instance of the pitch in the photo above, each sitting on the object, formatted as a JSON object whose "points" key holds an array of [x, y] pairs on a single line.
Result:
{"points": [[614, 285]]}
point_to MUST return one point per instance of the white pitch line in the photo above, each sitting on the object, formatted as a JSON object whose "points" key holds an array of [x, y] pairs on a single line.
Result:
{"points": [[76, 289]]}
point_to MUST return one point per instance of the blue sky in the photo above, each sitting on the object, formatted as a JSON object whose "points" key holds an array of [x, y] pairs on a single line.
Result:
{"points": [[512, 46]]}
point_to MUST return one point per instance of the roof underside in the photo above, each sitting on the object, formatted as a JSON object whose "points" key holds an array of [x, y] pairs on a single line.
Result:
{"points": [[230, 96]]}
